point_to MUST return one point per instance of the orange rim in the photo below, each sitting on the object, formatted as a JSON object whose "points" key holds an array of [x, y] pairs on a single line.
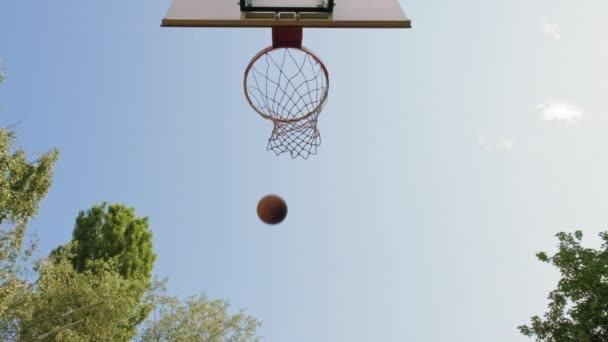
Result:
{"points": [[268, 117]]}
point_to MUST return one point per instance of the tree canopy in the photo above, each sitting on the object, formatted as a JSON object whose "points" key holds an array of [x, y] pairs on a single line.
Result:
{"points": [[81, 306], [23, 184], [578, 308], [110, 241], [198, 319], [98, 286], [111, 234]]}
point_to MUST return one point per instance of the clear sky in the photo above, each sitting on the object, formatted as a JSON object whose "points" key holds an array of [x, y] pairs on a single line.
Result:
{"points": [[452, 153]]}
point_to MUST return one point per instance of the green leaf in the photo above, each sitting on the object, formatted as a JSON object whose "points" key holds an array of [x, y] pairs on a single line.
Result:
{"points": [[578, 307]]}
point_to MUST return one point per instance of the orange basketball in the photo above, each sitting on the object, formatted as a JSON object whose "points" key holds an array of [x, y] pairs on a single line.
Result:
{"points": [[272, 209]]}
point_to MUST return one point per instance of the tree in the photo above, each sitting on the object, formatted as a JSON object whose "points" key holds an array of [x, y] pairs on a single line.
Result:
{"points": [[23, 184], [110, 239], [112, 234], [578, 308], [80, 306], [199, 319]]}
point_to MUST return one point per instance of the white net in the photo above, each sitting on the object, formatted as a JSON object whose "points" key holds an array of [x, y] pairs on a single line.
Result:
{"points": [[288, 86]]}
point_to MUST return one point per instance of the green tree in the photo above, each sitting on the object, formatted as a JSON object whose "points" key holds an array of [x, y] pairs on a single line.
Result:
{"points": [[198, 319], [110, 238], [578, 308], [23, 184], [112, 234], [80, 306]]}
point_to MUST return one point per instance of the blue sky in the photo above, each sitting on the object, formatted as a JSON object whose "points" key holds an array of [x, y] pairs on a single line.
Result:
{"points": [[452, 153]]}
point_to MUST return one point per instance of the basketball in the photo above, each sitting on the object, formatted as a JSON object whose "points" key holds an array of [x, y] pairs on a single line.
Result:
{"points": [[272, 209]]}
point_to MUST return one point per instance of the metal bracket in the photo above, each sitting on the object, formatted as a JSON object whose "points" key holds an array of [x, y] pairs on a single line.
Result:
{"points": [[327, 6], [287, 37]]}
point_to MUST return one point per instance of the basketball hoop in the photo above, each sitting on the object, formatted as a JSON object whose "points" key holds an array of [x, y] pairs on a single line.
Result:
{"points": [[288, 85]]}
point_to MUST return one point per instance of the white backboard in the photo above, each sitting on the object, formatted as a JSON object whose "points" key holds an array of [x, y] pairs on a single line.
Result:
{"points": [[227, 13]]}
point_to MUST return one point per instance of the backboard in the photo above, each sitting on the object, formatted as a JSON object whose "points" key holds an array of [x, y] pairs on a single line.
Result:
{"points": [[277, 13]]}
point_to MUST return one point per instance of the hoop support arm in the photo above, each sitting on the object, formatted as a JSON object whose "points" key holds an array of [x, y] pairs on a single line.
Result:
{"points": [[287, 37]]}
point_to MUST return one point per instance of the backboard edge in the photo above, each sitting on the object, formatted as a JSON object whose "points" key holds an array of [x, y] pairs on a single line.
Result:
{"points": [[390, 24]]}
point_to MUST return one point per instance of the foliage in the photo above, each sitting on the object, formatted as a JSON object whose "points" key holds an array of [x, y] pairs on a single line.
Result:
{"points": [[111, 234], [110, 238], [578, 308], [198, 319], [98, 287], [23, 185], [81, 306]]}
